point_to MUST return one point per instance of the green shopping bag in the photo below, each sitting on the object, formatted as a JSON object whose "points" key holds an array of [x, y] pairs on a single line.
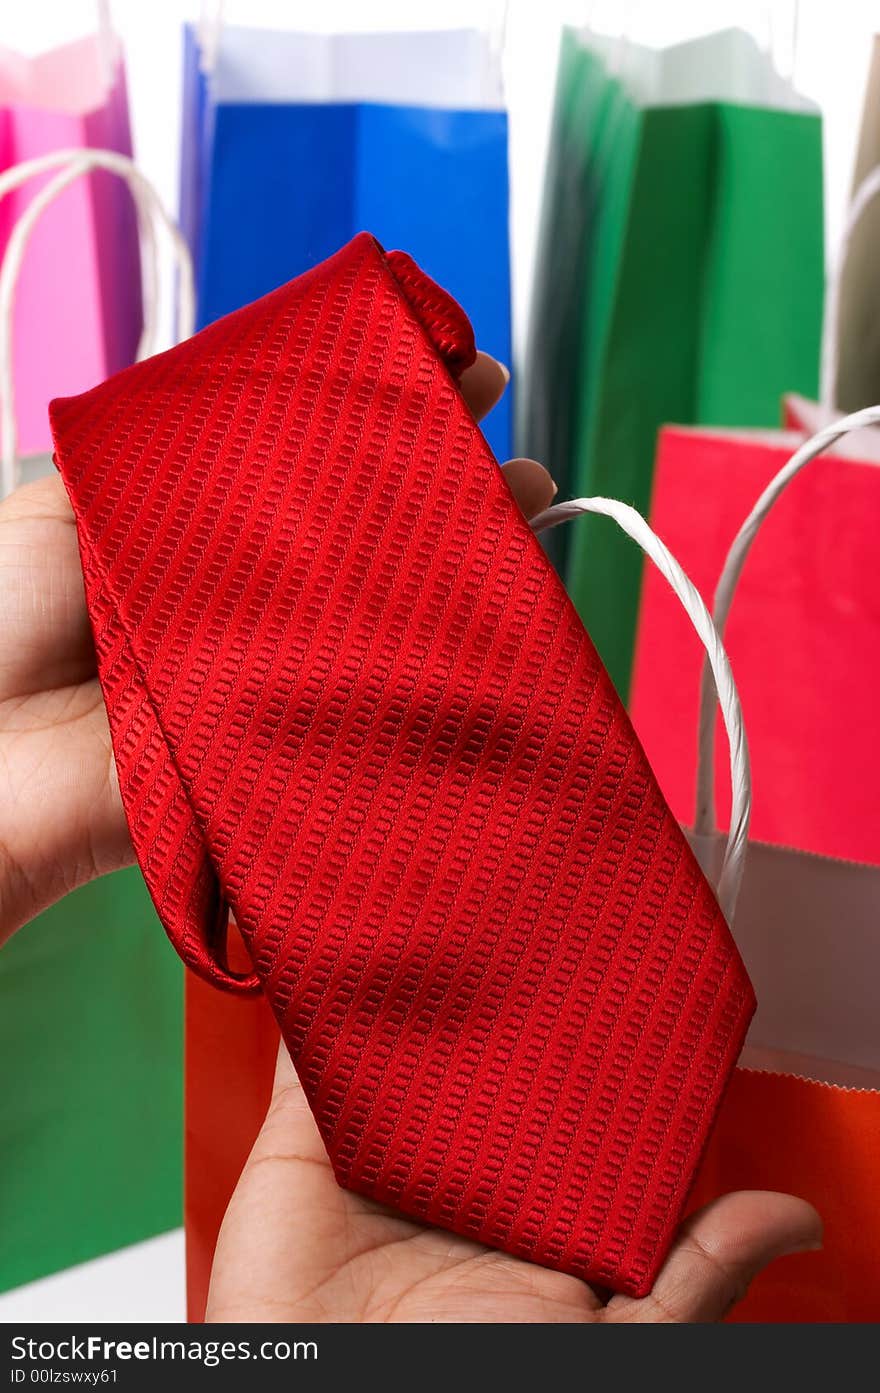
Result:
{"points": [[680, 278], [91, 1123]]}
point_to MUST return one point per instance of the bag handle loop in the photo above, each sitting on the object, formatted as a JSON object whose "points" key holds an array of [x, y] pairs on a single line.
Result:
{"points": [[705, 823], [109, 46], [150, 212], [830, 351], [209, 30], [717, 663]]}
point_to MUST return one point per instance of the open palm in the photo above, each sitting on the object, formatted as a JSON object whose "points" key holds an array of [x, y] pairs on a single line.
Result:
{"points": [[295, 1247]]}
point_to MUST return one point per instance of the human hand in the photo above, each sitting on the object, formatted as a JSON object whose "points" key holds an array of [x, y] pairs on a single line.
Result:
{"points": [[294, 1247], [61, 816]]}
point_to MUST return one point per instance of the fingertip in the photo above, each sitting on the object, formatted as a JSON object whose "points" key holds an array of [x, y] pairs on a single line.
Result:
{"points": [[531, 485], [285, 1074], [483, 384], [806, 1231]]}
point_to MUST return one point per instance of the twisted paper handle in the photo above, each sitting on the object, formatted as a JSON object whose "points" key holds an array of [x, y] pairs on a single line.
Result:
{"points": [[705, 821], [864, 195], [718, 664]]}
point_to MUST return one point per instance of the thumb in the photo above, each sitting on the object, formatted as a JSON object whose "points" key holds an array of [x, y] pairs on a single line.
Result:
{"points": [[290, 1130], [718, 1252], [281, 1226]]}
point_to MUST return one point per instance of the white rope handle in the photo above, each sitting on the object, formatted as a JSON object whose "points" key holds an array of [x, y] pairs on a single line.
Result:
{"points": [[210, 31], [497, 30], [635, 526], [705, 821], [105, 19], [106, 40], [150, 211], [830, 353]]}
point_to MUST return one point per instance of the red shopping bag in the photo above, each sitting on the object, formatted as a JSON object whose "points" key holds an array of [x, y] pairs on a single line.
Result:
{"points": [[803, 1115]]}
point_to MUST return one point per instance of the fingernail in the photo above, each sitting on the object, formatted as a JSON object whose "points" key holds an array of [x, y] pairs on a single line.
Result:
{"points": [[505, 370]]}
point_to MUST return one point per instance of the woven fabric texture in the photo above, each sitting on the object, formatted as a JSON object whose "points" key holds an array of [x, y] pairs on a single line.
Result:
{"points": [[350, 700]]}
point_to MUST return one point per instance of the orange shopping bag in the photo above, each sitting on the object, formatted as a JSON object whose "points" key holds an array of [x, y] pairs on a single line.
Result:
{"points": [[231, 1045]]}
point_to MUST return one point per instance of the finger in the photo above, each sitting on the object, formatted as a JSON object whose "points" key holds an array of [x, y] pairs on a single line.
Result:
{"points": [[281, 1213], [290, 1126], [44, 497], [530, 484], [483, 384], [289, 1226], [717, 1253], [47, 639]]}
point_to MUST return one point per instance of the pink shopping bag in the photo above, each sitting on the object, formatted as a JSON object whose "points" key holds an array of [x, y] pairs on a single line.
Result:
{"points": [[77, 313]]}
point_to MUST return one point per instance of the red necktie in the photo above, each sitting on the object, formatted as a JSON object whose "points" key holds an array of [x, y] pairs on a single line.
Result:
{"points": [[350, 699]]}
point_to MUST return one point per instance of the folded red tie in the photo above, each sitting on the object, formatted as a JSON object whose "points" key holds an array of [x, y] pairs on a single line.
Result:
{"points": [[350, 699]]}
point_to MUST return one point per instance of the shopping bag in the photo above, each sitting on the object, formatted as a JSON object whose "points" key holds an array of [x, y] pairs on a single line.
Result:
{"points": [[803, 1112], [71, 98], [292, 143], [231, 1048], [680, 278], [90, 1119]]}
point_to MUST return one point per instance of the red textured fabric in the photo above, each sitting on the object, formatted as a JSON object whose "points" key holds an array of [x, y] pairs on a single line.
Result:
{"points": [[350, 699]]}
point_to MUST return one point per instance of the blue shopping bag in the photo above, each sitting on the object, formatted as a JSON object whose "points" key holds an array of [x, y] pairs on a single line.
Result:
{"points": [[294, 142]]}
